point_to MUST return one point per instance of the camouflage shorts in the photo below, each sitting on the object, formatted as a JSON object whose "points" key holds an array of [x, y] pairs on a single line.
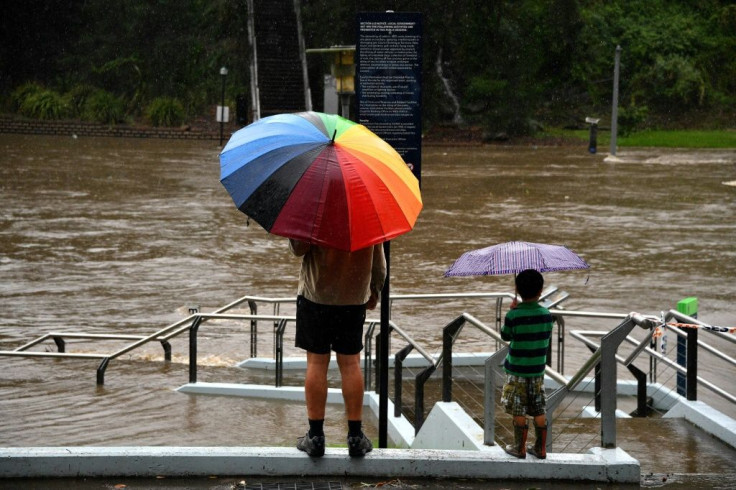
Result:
{"points": [[524, 396]]}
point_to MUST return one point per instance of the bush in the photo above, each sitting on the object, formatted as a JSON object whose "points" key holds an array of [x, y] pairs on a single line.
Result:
{"points": [[104, 107], [631, 118], [45, 104], [78, 97], [24, 91], [165, 111]]}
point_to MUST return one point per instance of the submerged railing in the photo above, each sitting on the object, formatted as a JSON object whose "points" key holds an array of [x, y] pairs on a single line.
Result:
{"points": [[604, 359], [189, 324]]}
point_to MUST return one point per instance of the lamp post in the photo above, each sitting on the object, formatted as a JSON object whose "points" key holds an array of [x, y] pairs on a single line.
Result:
{"points": [[614, 108], [223, 73]]}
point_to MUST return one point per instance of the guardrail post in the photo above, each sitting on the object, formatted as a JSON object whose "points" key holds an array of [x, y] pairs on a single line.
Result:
{"points": [[377, 364], [420, 379], [489, 398], [398, 377], [167, 350], [101, 371], [641, 391], [368, 357], [607, 391], [692, 364], [280, 353], [60, 344], [608, 364], [449, 333], [560, 320], [687, 352], [253, 329], [193, 348]]}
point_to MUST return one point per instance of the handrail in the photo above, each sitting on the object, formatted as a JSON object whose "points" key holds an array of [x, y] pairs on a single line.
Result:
{"points": [[605, 355], [467, 317], [198, 318], [162, 335], [582, 335]]}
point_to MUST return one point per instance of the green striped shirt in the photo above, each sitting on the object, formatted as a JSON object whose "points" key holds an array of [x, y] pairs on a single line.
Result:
{"points": [[528, 328]]}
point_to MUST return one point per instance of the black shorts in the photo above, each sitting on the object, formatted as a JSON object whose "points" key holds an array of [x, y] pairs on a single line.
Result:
{"points": [[322, 328]]}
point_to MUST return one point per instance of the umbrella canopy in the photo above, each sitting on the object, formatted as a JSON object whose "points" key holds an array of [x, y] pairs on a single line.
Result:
{"points": [[322, 179], [514, 257]]}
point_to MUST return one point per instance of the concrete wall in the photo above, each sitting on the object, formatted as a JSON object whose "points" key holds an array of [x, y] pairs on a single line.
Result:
{"points": [[15, 125]]}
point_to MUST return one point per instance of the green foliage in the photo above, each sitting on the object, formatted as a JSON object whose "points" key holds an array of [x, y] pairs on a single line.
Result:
{"points": [[165, 111], [104, 107], [674, 80], [44, 104], [485, 91], [631, 119], [507, 61], [24, 91], [78, 97]]}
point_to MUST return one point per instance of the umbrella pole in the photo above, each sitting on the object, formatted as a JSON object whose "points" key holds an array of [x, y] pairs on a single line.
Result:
{"points": [[383, 354]]}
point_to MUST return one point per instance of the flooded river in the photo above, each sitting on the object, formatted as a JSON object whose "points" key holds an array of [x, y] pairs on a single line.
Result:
{"points": [[124, 236]]}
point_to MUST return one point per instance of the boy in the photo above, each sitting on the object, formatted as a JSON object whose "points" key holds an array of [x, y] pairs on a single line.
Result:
{"points": [[528, 328]]}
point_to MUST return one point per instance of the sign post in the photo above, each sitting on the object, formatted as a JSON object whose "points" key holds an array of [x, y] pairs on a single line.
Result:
{"points": [[687, 352], [389, 91]]}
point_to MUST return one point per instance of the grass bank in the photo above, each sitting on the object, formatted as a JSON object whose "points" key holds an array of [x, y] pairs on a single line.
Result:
{"points": [[725, 138]]}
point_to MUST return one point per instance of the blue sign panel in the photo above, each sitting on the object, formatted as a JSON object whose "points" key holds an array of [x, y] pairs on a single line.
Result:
{"points": [[389, 81]]}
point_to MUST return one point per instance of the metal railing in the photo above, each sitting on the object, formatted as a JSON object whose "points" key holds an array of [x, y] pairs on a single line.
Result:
{"points": [[163, 336], [194, 321], [648, 347], [605, 355]]}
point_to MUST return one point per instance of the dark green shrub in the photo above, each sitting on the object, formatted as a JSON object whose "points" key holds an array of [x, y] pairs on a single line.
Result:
{"points": [[165, 111], [104, 107], [45, 104], [78, 97], [24, 91], [631, 118]]}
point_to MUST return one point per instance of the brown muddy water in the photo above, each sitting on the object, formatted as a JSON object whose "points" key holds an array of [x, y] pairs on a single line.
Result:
{"points": [[123, 236]]}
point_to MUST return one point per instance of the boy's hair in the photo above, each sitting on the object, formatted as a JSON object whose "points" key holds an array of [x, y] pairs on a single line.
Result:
{"points": [[529, 283]]}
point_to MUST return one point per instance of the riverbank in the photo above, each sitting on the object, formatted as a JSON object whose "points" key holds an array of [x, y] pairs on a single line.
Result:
{"points": [[206, 128]]}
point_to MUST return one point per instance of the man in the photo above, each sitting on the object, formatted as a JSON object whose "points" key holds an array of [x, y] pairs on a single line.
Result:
{"points": [[335, 289]]}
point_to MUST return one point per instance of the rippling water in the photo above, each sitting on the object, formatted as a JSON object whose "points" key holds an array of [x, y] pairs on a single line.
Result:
{"points": [[123, 236]]}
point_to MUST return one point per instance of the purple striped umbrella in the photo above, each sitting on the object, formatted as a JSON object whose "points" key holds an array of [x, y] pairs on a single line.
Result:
{"points": [[514, 257]]}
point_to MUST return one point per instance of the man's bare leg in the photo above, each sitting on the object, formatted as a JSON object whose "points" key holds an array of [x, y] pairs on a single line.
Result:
{"points": [[352, 385], [315, 385]]}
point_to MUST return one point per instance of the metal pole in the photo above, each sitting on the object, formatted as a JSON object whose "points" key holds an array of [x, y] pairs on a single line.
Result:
{"points": [[193, 348], [383, 354], [223, 73], [692, 364], [614, 108], [687, 352]]}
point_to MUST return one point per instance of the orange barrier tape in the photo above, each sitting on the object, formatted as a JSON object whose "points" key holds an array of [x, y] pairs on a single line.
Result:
{"points": [[712, 328]]}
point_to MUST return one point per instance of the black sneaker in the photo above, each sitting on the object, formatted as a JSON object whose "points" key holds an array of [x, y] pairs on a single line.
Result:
{"points": [[359, 446], [313, 446]]}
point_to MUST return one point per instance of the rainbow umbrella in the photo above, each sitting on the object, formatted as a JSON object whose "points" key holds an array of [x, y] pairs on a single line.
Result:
{"points": [[322, 179]]}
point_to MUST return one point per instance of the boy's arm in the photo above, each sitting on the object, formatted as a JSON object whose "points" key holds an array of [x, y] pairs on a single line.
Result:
{"points": [[507, 333]]}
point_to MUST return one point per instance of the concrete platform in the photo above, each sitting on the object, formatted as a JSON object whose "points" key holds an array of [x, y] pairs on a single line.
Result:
{"points": [[611, 465]]}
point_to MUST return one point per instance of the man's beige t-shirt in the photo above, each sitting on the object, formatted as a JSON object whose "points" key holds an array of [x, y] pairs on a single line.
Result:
{"points": [[334, 277]]}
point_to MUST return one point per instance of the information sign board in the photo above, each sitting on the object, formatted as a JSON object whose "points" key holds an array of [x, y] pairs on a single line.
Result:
{"points": [[389, 81]]}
